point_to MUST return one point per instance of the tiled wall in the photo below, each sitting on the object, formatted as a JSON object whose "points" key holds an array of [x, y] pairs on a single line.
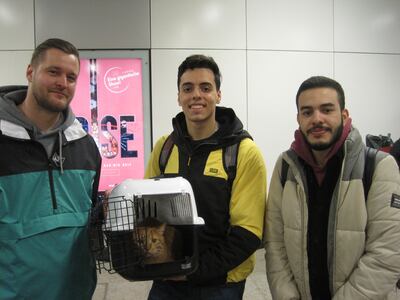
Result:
{"points": [[17, 38], [265, 49]]}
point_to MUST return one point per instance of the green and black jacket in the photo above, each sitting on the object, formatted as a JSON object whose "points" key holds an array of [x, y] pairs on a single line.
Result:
{"points": [[44, 205]]}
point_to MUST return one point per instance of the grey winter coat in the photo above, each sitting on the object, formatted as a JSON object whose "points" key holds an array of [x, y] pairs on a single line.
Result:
{"points": [[363, 235]]}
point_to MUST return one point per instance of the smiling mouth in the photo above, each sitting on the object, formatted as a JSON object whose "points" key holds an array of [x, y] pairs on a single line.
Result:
{"points": [[59, 94], [196, 106], [318, 131]]}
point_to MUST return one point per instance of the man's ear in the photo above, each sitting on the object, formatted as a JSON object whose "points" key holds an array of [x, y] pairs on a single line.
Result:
{"points": [[345, 115], [179, 101], [218, 96], [29, 71]]}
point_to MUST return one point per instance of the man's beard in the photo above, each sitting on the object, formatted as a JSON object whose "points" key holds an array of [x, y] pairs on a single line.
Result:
{"points": [[46, 104], [324, 146]]}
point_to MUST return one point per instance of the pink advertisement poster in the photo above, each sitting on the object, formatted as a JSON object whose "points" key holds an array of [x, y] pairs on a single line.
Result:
{"points": [[109, 104]]}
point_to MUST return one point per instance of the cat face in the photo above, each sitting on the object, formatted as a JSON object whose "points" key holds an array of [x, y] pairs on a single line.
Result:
{"points": [[153, 241], [156, 242]]}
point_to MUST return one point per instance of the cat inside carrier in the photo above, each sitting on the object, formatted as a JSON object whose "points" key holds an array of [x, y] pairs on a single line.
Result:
{"points": [[146, 229]]}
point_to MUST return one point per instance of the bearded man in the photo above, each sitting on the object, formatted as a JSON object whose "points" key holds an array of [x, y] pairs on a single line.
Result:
{"points": [[326, 238]]}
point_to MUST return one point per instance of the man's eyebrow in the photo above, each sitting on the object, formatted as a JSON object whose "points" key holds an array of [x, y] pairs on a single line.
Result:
{"points": [[327, 104], [58, 69], [322, 105], [306, 107], [53, 67]]}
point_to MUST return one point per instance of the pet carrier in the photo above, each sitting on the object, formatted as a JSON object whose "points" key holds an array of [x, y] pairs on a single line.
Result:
{"points": [[145, 230]]}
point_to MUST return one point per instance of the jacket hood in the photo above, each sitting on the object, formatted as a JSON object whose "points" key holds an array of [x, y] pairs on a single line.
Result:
{"points": [[12, 96], [68, 129], [230, 128]]}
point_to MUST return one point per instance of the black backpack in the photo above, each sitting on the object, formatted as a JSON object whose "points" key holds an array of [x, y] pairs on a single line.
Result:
{"points": [[230, 154], [369, 168]]}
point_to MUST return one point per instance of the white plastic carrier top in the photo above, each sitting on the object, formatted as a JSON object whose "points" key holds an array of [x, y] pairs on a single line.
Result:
{"points": [[171, 200]]}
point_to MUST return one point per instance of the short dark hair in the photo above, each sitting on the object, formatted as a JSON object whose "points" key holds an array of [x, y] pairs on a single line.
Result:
{"points": [[53, 43], [198, 61], [318, 82]]}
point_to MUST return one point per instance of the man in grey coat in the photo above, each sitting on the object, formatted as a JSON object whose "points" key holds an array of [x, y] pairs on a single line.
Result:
{"points": [[324, 238]]}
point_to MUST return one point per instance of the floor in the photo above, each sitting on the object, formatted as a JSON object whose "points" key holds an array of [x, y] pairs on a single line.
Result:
{"points": [[112, 286]]}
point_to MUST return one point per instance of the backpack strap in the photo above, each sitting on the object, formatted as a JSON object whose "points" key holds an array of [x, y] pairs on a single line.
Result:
{"points": [[165, 153], [284, 171], [230, 162], [369, 168]]}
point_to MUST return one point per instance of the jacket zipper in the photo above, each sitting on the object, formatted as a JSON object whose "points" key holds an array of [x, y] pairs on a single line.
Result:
{"points": [[188, 166], [51, 179], [51, 183]]}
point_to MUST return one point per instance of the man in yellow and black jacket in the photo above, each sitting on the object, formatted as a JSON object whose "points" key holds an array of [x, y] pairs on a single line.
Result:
{"points": [[233, 212]]}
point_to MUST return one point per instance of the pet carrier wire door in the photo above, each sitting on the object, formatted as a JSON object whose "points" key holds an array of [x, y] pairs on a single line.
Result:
{"points": [[148, 230]]}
